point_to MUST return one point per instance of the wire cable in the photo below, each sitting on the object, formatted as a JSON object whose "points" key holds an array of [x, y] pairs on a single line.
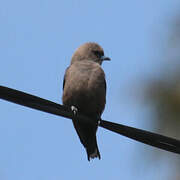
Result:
{"points": [[146, 137]]}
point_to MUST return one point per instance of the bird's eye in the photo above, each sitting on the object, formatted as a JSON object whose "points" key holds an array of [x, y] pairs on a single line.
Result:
{"points": [[97, 53]]}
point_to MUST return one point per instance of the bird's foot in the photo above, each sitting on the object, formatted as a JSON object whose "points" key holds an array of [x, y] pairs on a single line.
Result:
{"points": [[99, 121], [74, 110]]}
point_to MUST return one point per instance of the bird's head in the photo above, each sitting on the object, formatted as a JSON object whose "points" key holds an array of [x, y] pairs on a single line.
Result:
{"points": [[90, 51]]}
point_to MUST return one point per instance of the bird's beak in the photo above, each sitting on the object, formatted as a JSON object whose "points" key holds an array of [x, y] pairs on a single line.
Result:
{"points": [[104, 58]]}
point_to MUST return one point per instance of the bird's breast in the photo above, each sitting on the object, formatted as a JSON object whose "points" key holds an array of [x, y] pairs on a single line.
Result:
{"points": [[85, 88]]}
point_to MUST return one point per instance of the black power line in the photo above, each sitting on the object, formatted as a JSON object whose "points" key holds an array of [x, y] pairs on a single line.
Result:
{"points": [[153, 139]]}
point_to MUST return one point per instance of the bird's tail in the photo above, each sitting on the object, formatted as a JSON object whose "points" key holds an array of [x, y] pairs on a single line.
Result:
{"points": [[93, 151]]}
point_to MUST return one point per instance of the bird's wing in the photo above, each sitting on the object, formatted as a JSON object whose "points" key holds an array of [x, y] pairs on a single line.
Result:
{"points": [[105, 85], [64, 80]]}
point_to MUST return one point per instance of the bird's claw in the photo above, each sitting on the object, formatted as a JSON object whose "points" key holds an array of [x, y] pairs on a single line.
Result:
{"points": [[74, 110], [99, 121]]}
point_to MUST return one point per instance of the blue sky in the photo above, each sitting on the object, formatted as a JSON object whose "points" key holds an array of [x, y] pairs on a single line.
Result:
{"points": [[37, 40]]}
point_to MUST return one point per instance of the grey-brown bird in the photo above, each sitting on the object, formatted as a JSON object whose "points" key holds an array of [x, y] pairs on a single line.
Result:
{"points": [[85, 92]]}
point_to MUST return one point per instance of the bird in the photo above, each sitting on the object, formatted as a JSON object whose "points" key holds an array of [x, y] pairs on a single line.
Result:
{"points": [[84, 91]]}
